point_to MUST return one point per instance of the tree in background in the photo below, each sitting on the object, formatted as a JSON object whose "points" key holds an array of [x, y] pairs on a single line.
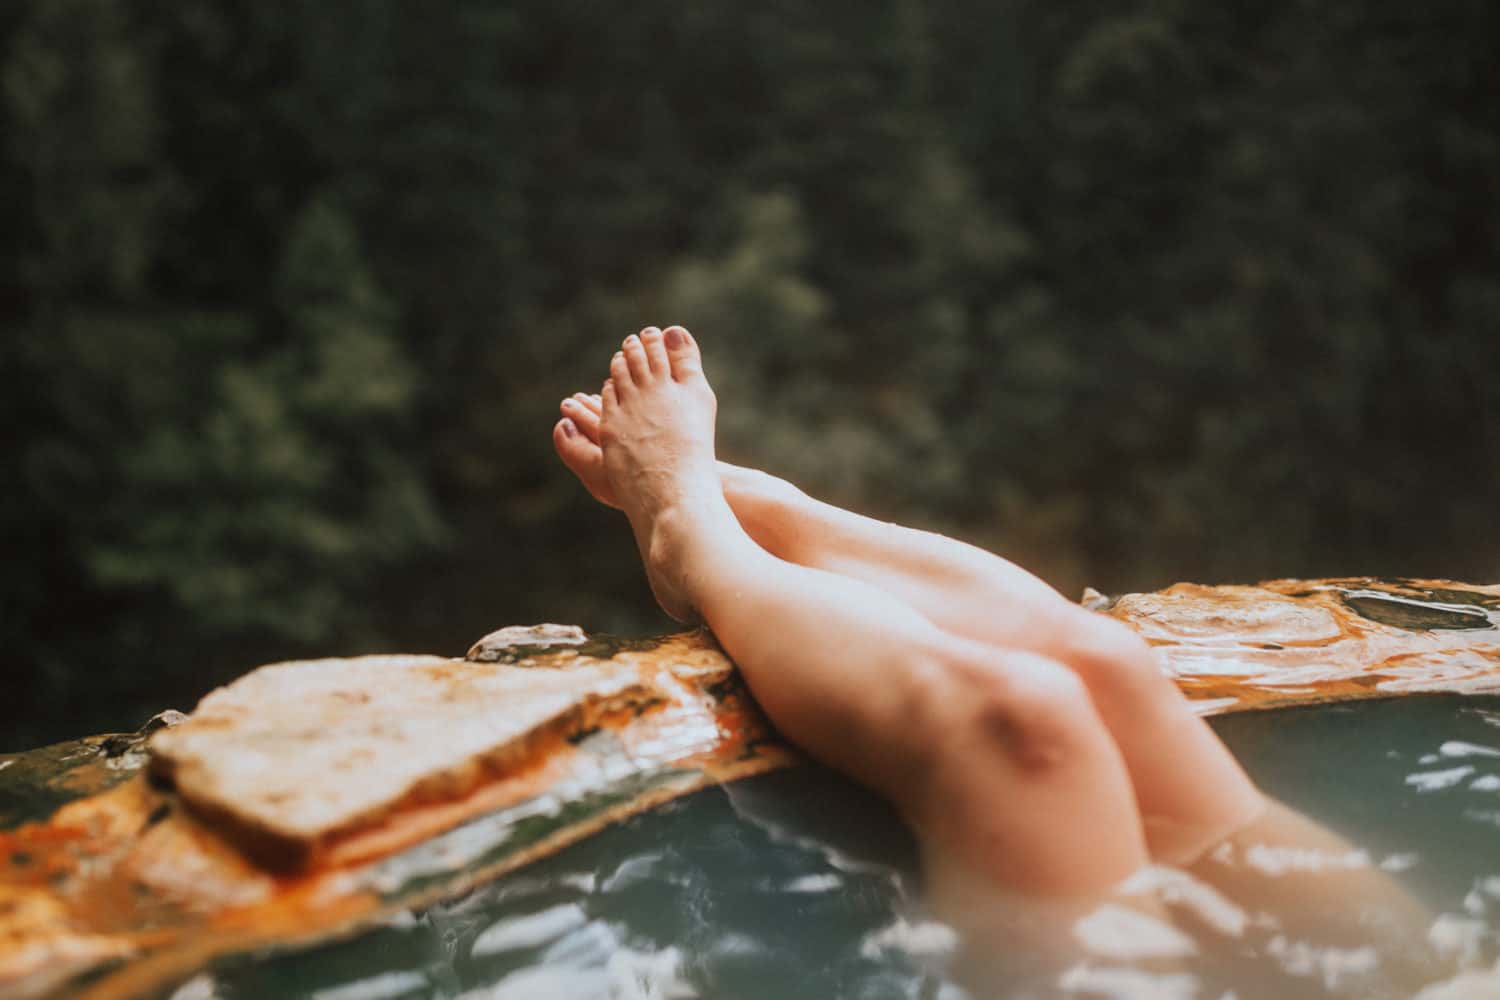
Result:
{"points": [[197, 476], [1132, 294]]}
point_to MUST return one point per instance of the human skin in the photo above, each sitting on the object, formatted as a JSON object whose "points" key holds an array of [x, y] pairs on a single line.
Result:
{"points": [[912, 661], [963, 602], [1037, 747]]}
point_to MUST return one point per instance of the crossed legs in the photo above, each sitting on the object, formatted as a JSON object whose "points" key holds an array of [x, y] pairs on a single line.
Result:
{"points": [[1034, 739]]}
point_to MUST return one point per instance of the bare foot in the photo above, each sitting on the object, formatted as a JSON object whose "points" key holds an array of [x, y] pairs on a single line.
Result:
{"points": [[576, 438], [656, 432]]}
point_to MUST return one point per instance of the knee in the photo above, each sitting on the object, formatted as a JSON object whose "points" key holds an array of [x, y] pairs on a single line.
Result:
{"points": [[1035, 711], [1112, 658]]}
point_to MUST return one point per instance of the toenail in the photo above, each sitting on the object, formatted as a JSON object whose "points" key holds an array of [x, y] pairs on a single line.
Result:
{"points": [[674, 337], [570, 404], [631, 339], [568, 429]]}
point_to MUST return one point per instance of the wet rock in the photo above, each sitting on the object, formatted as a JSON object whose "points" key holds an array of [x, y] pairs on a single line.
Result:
{"points": [[380, 783], [98, 863], [163, 720], [119, 744], [116, 744], [507, 642], [1409, 613], [1288, 642], [292, 755], [1095, 601]]}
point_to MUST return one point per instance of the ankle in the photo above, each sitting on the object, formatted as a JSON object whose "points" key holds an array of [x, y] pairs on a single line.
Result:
{"points": [[694, 533]]}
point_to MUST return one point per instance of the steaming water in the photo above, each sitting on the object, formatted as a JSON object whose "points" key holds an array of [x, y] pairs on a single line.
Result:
{"points": [[798, 885]]}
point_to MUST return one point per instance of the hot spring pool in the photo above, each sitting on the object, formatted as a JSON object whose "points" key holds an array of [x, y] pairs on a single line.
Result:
{"points": [[799, 885]]}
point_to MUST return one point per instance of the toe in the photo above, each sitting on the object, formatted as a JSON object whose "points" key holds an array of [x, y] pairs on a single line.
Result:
{"points": [[619, 374], [683, 351], [607, 398], [565, 439], [584, 418], [584, 458], [588, 402], [635, 359], [656, 352]]}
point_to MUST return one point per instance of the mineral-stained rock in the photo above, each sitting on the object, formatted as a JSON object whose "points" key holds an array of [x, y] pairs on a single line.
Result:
{"points": [[505, 643], [37, 935], [1302, 641], [368, 785], [307, 800], [293, 755]]}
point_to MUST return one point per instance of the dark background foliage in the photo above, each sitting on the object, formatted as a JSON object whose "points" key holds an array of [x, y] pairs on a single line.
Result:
{"points": [[1130, 292]]}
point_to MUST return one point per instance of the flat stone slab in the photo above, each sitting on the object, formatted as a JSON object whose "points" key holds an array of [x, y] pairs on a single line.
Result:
{"points": [[295, 754], [311, 798], [1286, 642]]}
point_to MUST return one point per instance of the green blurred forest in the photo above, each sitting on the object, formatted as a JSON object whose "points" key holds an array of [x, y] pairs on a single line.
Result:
{"points": [[1131, 292]]}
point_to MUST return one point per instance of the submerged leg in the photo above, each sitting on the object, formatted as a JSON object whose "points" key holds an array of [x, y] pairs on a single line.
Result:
{"points": [[998, 756], [1191, 791]]}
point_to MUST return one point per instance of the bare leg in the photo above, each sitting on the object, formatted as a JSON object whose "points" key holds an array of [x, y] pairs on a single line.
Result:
{"points": [[998, 755], [1191, 791], [953, 583]]}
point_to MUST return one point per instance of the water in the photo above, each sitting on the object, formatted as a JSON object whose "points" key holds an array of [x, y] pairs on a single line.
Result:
{"points": [[798, 885]]}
